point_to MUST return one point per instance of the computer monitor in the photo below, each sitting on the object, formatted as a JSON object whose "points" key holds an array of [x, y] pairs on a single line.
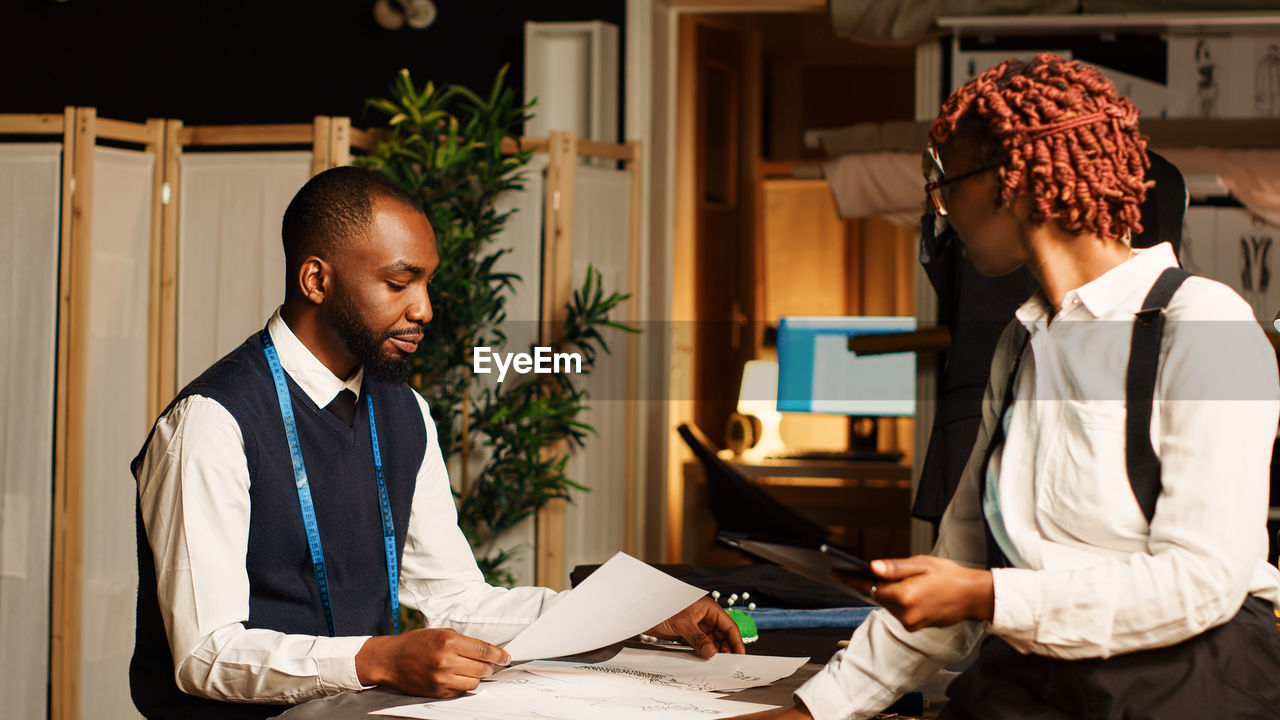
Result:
{"points": [[817, 373]]}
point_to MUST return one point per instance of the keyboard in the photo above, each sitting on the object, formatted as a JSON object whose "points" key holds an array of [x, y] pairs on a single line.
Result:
{"points": [[838, 455]]}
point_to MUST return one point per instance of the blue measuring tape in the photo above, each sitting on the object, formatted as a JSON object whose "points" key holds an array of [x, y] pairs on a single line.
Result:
{"points": [[308, 507]]}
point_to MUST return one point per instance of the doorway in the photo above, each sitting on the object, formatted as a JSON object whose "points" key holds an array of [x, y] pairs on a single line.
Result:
{"points": [[749, 87]]}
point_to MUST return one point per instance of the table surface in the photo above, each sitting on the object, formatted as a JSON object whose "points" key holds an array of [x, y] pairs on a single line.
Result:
{"points": [[819, 643], [358, 705], [769, 471]]}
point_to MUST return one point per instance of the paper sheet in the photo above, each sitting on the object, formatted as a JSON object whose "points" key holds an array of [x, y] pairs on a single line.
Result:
{"points": [[623, 598], [723, 672], [523, 695]]}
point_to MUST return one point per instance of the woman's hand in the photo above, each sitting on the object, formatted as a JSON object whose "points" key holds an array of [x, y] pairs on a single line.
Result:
{"points": [[928, 591]]}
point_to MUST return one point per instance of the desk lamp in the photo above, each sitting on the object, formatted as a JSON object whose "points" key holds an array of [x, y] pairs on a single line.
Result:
{"points": [[759, 397]]}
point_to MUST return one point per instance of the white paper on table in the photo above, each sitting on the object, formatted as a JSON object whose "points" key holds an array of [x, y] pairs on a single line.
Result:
{"points": [[722, 672], [547, 699], [622, 598], [547, 675]]}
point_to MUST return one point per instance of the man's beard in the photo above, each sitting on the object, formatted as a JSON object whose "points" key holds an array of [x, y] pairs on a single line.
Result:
{"points": [[365, 344]]}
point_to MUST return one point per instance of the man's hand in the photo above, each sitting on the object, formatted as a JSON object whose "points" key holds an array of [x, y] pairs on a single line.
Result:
{"points": [[927, 591], [429, 663], [705, 626]]}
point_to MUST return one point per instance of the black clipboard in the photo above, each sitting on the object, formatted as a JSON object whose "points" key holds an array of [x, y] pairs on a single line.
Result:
{"points": [[816, 564]]}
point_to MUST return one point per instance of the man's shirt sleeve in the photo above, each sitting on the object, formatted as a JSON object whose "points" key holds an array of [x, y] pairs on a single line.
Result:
{"points": [[438, 572]]}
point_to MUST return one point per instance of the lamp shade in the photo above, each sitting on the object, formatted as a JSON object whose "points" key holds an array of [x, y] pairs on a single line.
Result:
{"points": [[759, 393], [759, 397]]}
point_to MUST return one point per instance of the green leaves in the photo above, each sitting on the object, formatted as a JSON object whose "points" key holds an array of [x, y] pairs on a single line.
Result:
{"points": [[588, 313], [445, 148]]}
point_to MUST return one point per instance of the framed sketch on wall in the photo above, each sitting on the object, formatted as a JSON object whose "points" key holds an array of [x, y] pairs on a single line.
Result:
{"points": [[1224, 76]]}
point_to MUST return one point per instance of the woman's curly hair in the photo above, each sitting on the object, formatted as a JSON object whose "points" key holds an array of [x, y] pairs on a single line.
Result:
{"points": [[1058, 129]]}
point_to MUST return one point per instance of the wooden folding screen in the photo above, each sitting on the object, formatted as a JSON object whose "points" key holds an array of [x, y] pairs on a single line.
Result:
{"points": [[96, 363], [581, 227], [223, 262], [99, 398]]}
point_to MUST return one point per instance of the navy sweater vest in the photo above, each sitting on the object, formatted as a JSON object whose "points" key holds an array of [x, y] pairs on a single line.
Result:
{"points": [[283, 594]]}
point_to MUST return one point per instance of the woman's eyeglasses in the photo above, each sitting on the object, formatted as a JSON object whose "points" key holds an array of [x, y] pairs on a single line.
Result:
{"points": [[936, 180]]}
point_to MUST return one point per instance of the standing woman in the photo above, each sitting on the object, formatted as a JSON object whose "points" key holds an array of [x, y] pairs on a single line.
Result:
{"points": [[1107, 543]]}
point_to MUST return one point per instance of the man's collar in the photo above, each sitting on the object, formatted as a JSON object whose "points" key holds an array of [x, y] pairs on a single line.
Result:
{"points": [[316, 380]]}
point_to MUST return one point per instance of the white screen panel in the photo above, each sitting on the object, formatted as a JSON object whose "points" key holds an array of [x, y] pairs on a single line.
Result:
{"points": [[116, 424], [230, 260], [523, 235], [595, 524], [30, 197]]}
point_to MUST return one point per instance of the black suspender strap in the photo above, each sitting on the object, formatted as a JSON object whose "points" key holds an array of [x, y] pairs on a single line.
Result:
{"points": [[996, 556], [1140, 387]]}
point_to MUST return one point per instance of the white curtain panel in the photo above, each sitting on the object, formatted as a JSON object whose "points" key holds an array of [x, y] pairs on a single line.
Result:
{"points": [[230, 260], [116, 424], [876, 183], [30, 197], [523, 236], [595, 524]]}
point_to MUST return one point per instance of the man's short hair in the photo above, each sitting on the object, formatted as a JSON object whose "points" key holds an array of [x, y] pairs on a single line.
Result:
{"points": [[333, 208]]}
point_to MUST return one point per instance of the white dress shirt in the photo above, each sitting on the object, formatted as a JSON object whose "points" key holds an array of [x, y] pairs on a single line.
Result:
{"points": [[193, 486], [1091, 577]]}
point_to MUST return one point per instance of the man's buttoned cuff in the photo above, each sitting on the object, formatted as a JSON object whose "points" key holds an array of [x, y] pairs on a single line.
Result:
{"points": [[1016, 594], [337, 667]]}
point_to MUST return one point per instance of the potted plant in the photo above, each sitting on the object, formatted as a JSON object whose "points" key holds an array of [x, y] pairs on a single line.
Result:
{"points": [[456, 152]]}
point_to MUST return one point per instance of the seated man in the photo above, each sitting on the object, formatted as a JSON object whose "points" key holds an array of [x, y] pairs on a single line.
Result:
{"points": [[291, 496], [1107, 542]]}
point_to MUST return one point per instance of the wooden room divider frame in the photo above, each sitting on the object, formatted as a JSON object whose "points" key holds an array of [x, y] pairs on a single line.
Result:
{"points": [[81, 131], [331, 140]]}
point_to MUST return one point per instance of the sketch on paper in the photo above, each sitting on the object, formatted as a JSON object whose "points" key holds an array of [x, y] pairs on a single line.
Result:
{"points": [[643, 704], [1256, 260], [1255, 267], [1188, 256], [519, 694], [656, 670], [1234, 247], [1266, 82], [1206, 83], [689, 683]]}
